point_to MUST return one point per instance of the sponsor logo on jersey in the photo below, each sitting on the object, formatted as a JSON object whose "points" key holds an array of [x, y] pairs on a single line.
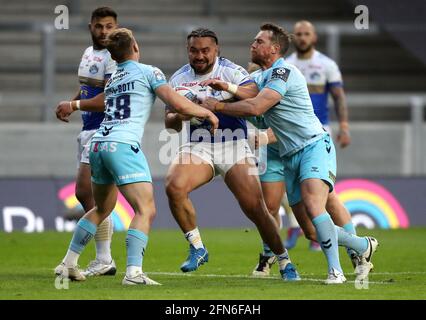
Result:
{"points": [[94, 69], [280, 73]]}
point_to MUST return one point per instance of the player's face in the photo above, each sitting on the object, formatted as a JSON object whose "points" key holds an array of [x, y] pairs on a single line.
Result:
{"points": [[100, 28], [304, 38], [202, 53], [261, 48]]}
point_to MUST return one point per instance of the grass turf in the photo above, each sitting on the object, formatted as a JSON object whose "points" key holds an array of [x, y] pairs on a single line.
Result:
{"points": [[27, 262]]}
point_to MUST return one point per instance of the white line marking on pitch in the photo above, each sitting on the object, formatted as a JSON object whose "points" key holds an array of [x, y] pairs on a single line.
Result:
{"points": [[240, 276]]}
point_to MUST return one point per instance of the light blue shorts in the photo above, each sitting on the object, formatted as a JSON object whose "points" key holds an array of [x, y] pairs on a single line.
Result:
{"points": [[317, 160], [118, 163], [271, 166]]}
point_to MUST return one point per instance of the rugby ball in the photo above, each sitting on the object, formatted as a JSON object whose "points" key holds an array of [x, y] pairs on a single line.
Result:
{"points": [[192, 96]]}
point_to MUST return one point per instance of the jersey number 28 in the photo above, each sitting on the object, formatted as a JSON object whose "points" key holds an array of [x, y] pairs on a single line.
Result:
{"points": [[122, 108]]}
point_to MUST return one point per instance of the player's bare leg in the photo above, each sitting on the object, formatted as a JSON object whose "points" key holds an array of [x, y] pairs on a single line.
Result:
{"points": [[187, 173], [140, 196], [342, 218], [272, 193], [103, 263], [105, 197], [247, 190]]}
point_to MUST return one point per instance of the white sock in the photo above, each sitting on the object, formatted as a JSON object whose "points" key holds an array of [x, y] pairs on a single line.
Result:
{"points": [[283, 259], [71, 258], [132, 271], [103, 251], [103, 238], [194, 238]]}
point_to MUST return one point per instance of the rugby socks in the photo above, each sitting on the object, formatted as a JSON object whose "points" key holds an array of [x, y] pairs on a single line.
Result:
{"points": [[327, 238], [194, 238], [83, 233], [267, 251], [136, 242], [350, 228], [351, 241], [103, 238], [283, 259]]}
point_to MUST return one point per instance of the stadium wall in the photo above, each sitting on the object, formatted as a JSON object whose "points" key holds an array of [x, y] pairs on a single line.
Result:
{"points": [[36, 205]]}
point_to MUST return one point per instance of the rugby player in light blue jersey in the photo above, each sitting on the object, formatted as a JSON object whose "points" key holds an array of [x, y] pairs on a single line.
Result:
{"points": [[116, 156], [96, 66], [305, 148], [323, 77]]}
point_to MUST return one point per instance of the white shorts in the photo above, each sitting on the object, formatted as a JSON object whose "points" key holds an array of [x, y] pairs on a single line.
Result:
{"points": [[83, 142], [221, 156]]}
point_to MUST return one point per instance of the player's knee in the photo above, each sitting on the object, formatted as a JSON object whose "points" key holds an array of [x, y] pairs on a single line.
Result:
{"points": [[176, 188], [255, 209], [84, 196], [311, 235], [273, 210], [312, 207]]}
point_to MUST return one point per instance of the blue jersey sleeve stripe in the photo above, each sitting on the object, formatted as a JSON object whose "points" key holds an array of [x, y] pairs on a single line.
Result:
{"points": [[246, 82], [335, 84]]}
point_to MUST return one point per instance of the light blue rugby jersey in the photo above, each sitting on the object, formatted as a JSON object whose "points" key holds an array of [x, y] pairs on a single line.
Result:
{"points": [[292, 120], [129, 96]]}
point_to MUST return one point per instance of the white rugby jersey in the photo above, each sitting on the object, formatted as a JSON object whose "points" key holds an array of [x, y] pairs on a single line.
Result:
{"points": [[223, 70], [95, 67], [321, 73]]}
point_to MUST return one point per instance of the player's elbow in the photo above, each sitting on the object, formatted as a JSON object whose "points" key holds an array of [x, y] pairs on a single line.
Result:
{"points": [[255, 111]]}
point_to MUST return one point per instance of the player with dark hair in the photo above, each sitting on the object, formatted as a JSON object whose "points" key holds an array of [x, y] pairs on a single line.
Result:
{"points": [[95, 68]]}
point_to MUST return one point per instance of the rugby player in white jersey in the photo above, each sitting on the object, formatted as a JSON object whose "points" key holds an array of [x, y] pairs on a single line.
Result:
{"points": [[95, 68], [323, 77], [226, 153]]}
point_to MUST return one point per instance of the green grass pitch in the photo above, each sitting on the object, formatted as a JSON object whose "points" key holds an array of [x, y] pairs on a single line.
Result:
{"points": [[27, 262]]}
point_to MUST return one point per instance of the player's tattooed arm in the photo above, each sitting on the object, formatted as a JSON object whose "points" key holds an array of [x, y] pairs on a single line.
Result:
{"points": [[339, 98], [246, 91]]}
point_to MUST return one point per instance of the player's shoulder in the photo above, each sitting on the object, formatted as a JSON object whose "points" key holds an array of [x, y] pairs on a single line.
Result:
{"points": [[291, 58], [324, 59], [148, 70], [283, 70], [228, 64], [182, 72]]}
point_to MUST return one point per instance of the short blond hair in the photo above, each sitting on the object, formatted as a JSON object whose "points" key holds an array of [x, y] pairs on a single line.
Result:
{"points": [[119, 44]]}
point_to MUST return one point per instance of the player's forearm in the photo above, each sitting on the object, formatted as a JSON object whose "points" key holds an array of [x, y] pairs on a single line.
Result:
{"points": [[340, 106], [246, 92], [243, 108], [95, 104], [271, 136]]}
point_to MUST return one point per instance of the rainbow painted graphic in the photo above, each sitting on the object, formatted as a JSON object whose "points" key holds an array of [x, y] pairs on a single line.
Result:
{"points": [[121, 215], [371, 205]]}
